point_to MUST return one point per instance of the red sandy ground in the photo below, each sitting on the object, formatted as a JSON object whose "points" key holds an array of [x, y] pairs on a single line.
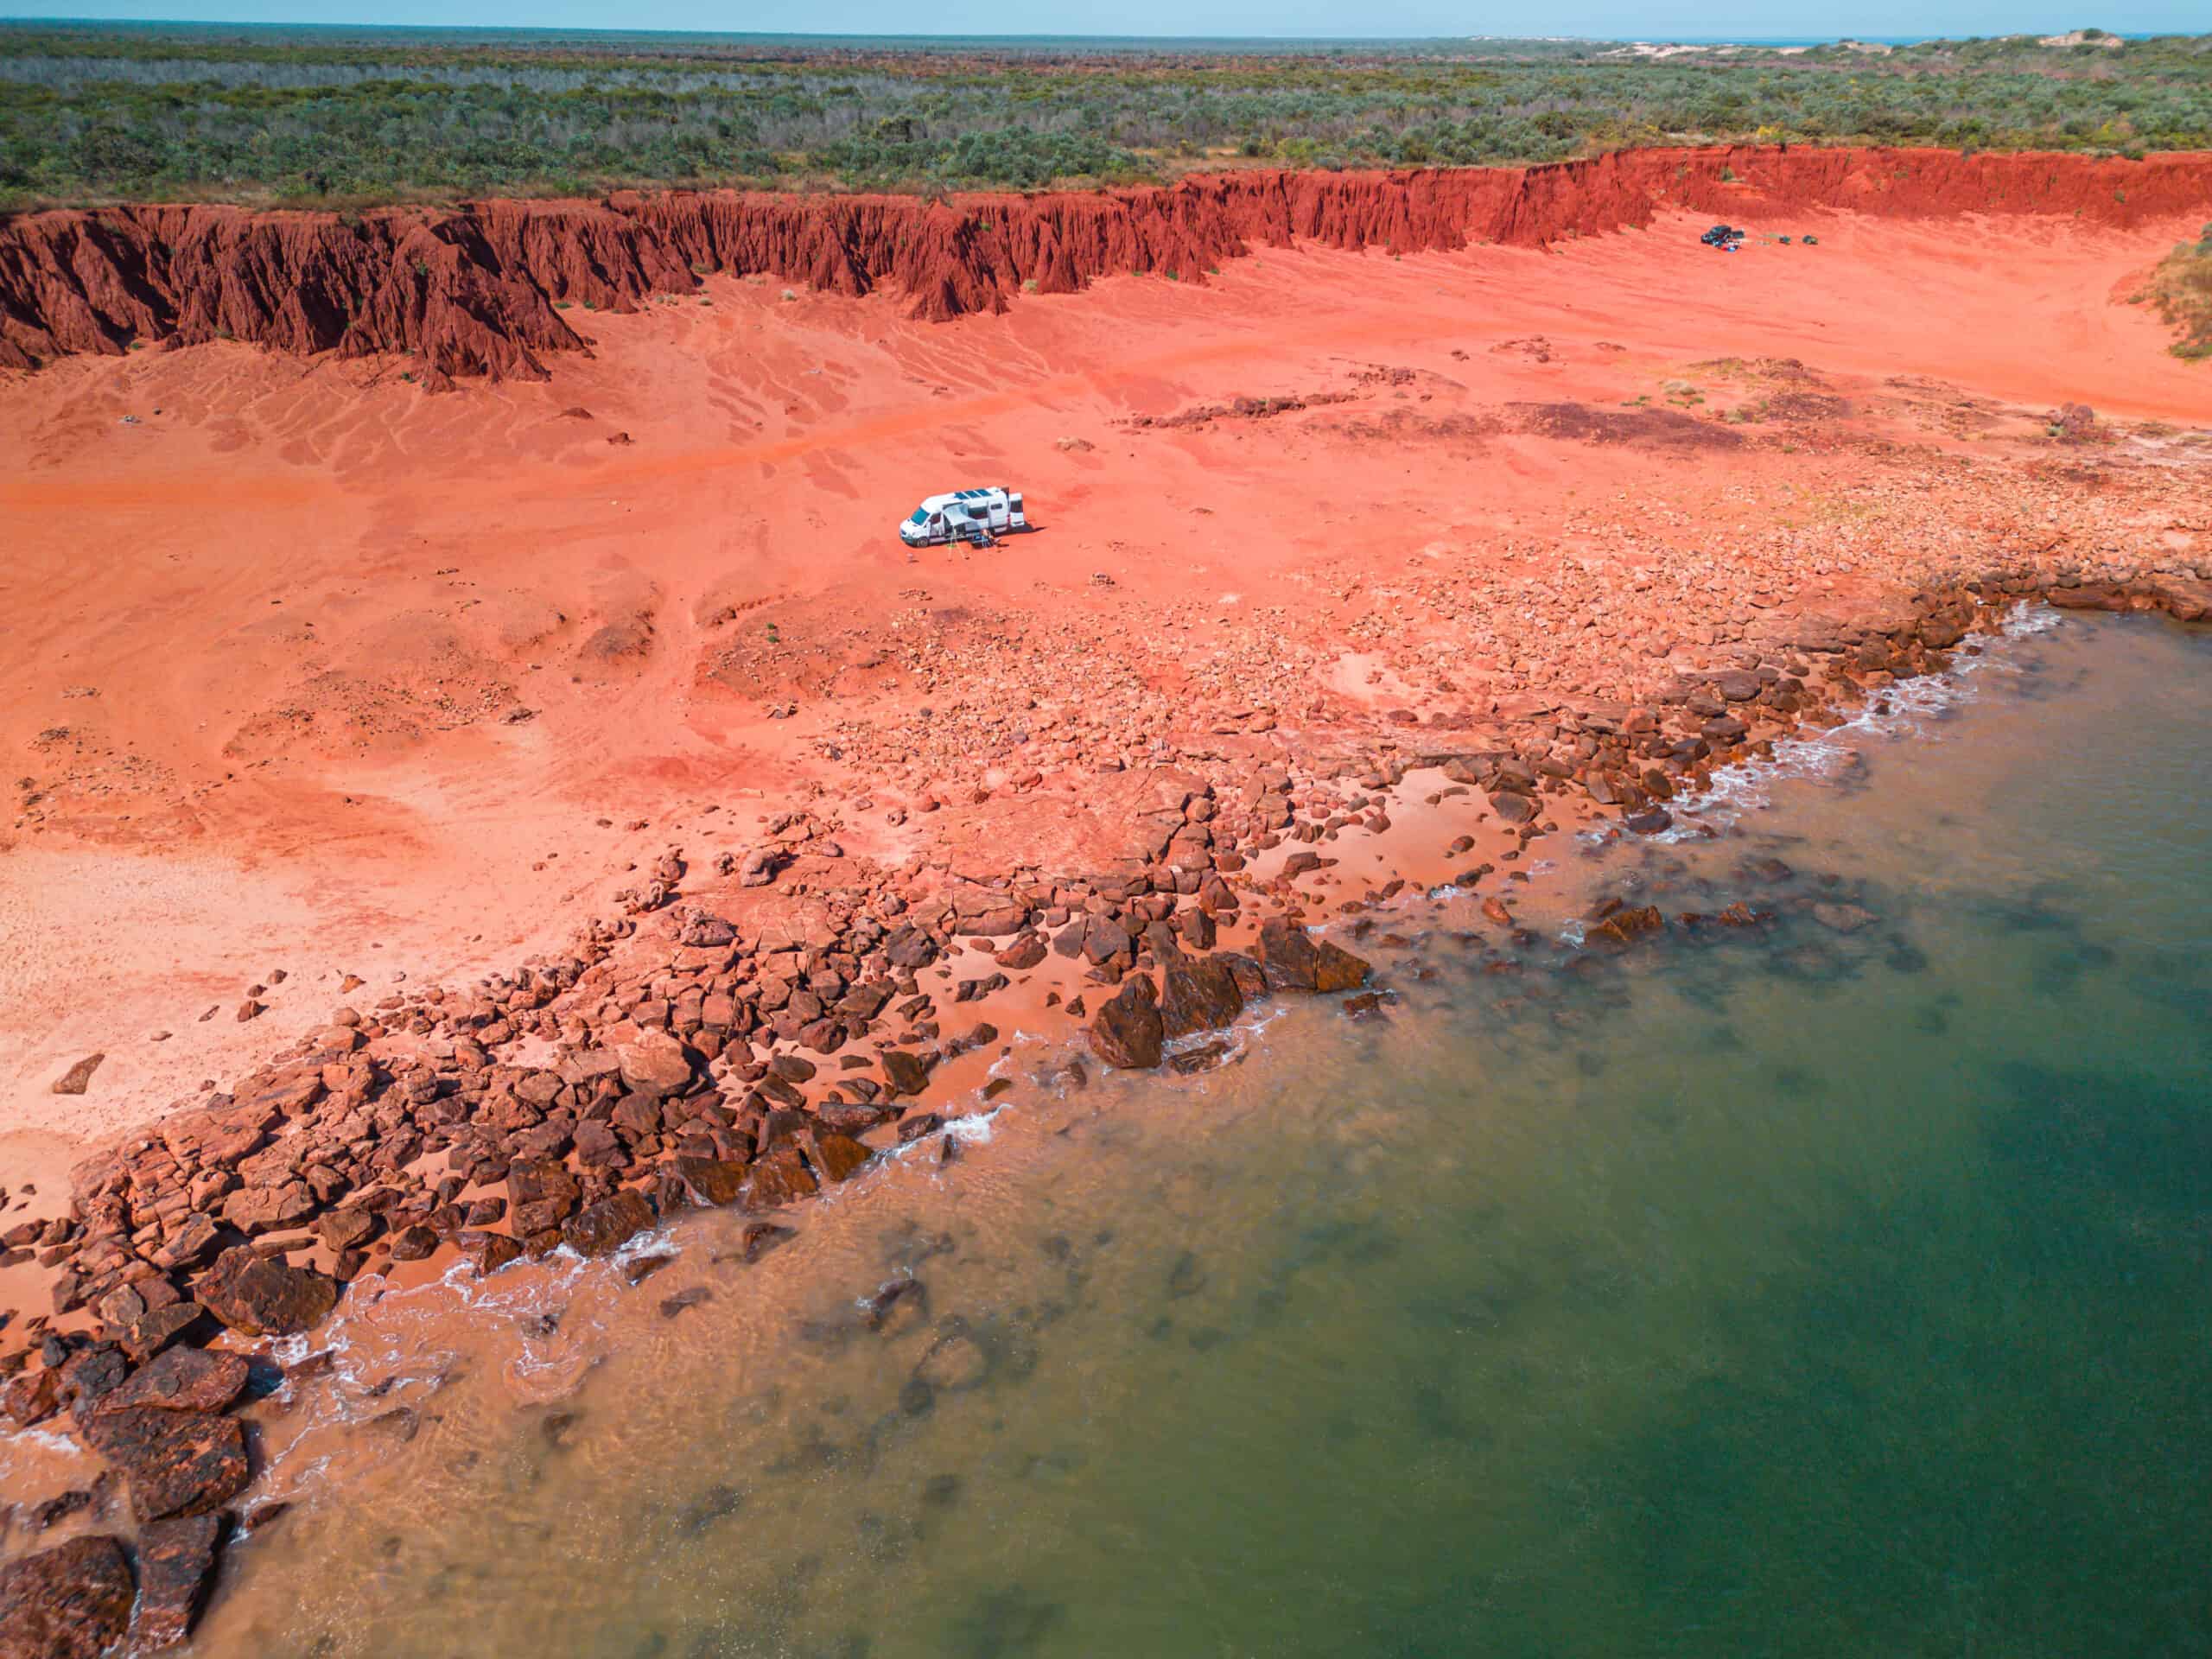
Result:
{"points": [[265, 649]]}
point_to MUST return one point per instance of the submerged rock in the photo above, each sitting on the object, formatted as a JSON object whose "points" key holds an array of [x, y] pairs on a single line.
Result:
{"points": [[1844, 918], [1624, 926], [954, 1363]]}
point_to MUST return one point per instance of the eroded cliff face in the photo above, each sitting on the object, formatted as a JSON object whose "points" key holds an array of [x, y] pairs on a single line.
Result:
{"points": [[476, 290]]}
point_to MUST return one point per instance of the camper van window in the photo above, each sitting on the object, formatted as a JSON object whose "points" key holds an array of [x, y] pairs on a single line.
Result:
{"points": [[919, 517]]}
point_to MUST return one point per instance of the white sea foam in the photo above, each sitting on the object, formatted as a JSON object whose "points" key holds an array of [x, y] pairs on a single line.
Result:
{"points": [[1906, 709]]}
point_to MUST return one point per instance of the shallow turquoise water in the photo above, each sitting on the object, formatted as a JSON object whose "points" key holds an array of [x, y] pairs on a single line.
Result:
{"points": [[1796, 1292]]}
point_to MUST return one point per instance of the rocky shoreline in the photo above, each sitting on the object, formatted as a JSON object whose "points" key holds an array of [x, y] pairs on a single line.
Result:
{"points": [[676, 1058]]}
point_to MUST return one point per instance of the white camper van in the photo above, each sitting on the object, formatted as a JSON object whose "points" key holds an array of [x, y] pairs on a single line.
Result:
{"points": [[963, 516]]}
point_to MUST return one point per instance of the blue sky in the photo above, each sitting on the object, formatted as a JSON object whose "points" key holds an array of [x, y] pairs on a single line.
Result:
{"points": [[1681, 19]]}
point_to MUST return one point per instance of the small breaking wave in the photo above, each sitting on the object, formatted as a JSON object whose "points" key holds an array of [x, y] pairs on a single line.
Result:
{"points": [[1906, 709]]}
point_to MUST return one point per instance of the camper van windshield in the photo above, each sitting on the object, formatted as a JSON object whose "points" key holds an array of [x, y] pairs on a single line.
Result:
{"points": [[919, 517]]}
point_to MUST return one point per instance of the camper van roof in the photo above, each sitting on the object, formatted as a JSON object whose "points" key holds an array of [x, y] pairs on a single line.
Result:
{"points": [[938, 503]]}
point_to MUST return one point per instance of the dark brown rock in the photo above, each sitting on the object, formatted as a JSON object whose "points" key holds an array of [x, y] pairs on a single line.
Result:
{"points": [[906, 1073], [341, 1230], [177, 1462], [761, 1236], [33, 1397], [259, 1297], [194, 1236], [180, 1379], [157, 1327], [544, 1217], [70, 1602], [487, 1252], [836, 1157], [1199, 994], [176, 1561], [603, 1228], [414, 1243], [779, 1178], [711, 1180], [1287, 954], [1624, 926], [1127, 1031], [531, 1181]]}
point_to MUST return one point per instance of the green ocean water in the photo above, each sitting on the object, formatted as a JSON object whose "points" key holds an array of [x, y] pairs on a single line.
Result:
{"points": [[1793, 1292]]}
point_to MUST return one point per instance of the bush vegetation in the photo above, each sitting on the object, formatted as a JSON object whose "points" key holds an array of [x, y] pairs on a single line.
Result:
{"points": [[95, 113], [2180, 288]]}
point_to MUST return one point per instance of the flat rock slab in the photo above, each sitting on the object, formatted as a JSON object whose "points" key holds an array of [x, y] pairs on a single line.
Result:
{"points": [[177, 1462], [264, 1298], [70, 1602], [180, 1379]]}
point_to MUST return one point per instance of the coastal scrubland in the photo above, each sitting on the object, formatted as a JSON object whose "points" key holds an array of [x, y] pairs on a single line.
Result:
{"points": [[333, 116]]}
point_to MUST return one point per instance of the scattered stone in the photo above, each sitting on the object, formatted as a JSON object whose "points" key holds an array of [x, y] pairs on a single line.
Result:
{"points": [[906, 1074], [77, 1076]]}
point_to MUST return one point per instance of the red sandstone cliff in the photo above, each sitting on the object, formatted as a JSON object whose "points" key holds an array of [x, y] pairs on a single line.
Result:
{"points": [[475, 291]]}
